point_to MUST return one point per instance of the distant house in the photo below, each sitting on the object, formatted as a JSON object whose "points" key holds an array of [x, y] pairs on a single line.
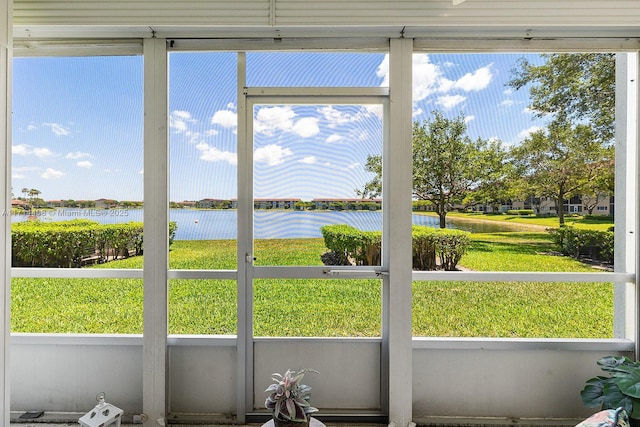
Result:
{"points": [[281, 203], [348, 204], [187, 204], [56, 203], [106, 203], [19, 204]]}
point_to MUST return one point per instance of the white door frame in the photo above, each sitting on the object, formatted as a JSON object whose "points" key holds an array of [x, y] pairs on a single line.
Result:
{"points": [[247, 272]]}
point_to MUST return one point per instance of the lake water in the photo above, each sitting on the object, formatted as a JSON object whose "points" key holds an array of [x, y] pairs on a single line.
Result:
{"points": [[268, 224]]}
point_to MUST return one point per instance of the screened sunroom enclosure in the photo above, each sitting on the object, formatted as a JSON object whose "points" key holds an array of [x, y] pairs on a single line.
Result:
{"points": [[251, 130]]}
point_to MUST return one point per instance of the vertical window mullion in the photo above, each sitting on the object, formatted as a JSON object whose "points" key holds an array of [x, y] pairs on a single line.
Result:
{"points": [[397, 220], [625, 190], [156, 223], [6, 41], [245, 286]]}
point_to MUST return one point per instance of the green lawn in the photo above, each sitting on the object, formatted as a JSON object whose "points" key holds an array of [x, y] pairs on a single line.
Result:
{"points": [[329, 307], [601, 223]]}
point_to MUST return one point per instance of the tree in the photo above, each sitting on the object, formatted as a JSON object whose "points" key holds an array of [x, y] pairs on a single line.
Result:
{"points": [[447, 164], [373, 188], [560, 162], [600, 188], [577, 88], [33, 193], [496, 184]]}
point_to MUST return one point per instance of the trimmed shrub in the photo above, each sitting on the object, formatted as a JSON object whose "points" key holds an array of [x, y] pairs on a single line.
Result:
{"points": [[521, 212], [578, 243], [67, 244], [423, 240], [451, 245], [352, 246], [349, 246]]}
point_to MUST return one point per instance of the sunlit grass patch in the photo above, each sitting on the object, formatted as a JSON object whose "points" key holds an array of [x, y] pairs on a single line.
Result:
{"points": [[513, 309], [324, 308], [523, 251], [55, 305], [328, 307], [203, 307]]}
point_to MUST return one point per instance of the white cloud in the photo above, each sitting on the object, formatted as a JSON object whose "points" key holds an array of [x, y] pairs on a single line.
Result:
{"points": [[225, 118], [21, 150], [271, 154], [270, 119], [178, 125], [508, 91], [52, 174], [507, 103], [22, 172], [475, 81], [42, 152], [31, 127], [77, 155], [85, 164], [309, 160], [211, 132], [383, 71], [354, 165], [179, 120], [58, 129], [27, 150], [181, 114], [375, 109], [336, 117], [527, 132], [335, 138], [212, 154], [450, 101], [141, 171], [306, 127], [427, 78], [417, 111], [467, 119]]}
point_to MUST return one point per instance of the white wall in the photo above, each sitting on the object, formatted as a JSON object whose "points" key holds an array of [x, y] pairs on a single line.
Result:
{"points": [[481, 381]]}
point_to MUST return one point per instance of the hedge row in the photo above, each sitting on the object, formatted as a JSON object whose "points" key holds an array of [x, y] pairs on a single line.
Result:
{"points": [[521, 212], [348, 246], [577, 243], [68, 244]]}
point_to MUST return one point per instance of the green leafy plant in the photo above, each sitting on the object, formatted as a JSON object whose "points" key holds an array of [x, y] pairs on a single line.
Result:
{"points": [[620, 389], [288, 399]]}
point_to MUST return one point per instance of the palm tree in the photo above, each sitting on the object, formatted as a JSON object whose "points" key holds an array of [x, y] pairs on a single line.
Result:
{"points": [[33, 194]]}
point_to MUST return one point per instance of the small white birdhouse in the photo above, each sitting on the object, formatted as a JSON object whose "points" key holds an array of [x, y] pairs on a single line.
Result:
{"points": [[103, 415]]}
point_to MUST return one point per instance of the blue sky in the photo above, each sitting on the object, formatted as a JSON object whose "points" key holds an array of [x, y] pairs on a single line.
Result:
{"points": [[77, 122]]}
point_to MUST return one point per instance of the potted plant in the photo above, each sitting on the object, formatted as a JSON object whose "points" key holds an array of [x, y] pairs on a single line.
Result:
{"points": [[620, 389], [288, 399]]}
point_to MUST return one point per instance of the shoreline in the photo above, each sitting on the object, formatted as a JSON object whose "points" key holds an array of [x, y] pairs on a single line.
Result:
{"points": [[532, 227]]}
